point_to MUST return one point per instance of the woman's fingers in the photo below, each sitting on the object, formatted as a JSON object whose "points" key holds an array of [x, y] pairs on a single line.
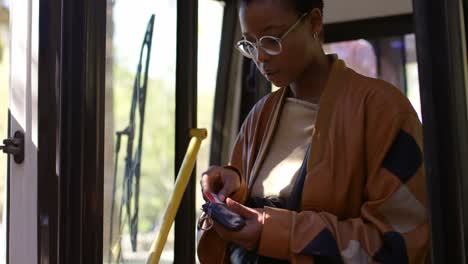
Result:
{"points": [[240, 209], [249, 235], [221, 181], [211, 180]]}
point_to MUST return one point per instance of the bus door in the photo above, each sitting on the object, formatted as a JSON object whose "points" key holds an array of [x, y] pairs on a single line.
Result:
{"points": [[19, 226]]}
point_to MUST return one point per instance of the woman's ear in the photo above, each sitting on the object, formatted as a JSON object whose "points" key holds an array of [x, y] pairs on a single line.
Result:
{"points": [[315, 19]]}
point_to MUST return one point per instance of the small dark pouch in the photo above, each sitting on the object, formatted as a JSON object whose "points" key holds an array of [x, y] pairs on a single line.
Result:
{"points": [[222, 215], [239, 255]]}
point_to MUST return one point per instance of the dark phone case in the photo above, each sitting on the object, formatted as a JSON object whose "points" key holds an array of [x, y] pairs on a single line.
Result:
{"points": [[224, 216]]}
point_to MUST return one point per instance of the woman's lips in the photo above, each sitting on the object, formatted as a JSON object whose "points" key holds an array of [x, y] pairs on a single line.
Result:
{"points": [[271, 73]]}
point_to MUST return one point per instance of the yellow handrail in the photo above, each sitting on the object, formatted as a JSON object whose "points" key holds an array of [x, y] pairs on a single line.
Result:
{"points": [[197, 135]]}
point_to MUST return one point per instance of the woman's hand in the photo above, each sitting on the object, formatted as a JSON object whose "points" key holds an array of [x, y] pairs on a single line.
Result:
{"points": [[249, 236], [221, 181]]}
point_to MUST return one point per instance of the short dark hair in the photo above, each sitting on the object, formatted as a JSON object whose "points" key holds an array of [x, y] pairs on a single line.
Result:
{"points": [[300, 6]]}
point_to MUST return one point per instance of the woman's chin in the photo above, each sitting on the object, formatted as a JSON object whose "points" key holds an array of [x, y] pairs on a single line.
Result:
{"points": [[278, 83], [276, 79]]}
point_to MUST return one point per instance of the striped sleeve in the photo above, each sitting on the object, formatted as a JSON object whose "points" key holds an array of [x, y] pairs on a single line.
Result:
{"points": [[393, 225]]}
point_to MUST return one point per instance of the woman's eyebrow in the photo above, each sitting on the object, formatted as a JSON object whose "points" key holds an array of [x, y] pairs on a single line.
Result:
{"points": [[247, 35], [267, 29], [272, 27]]}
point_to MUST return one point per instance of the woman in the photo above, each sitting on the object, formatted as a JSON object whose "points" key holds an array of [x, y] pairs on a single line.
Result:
{"points": [[346, 147]]}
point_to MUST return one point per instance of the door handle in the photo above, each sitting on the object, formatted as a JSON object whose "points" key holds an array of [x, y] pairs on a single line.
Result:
{"points": [[14, 146]]}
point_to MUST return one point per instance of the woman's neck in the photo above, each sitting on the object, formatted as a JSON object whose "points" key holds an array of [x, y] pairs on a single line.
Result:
{"points": [[312, 81]]}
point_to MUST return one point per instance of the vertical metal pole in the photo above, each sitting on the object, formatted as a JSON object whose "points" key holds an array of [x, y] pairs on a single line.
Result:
{"points": [[226, 60], [254, 87], [50, 32], [82, 98], [186, 118], [442, 65]]}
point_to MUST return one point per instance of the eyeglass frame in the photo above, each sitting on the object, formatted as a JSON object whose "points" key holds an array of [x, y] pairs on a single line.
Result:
{"points": [[278, 40]]}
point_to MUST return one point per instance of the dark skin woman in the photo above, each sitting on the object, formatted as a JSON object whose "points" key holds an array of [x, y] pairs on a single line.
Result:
{"points": [[306, 77], [363, 197]]}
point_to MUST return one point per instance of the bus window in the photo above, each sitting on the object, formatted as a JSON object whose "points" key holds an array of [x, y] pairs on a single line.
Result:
{"points": [[392, 59], [358, 55], [4, 75], [137, 185], [412, 75], [210, 21]]}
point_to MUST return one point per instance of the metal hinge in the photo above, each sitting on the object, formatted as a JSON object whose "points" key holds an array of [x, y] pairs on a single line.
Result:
{"points": [[14, 146]]}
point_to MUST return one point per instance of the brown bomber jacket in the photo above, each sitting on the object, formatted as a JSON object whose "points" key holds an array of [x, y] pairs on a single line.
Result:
{"points": [[364, 197]]}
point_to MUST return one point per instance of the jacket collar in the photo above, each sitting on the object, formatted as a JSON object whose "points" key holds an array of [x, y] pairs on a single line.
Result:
{"points": [[335, 84], [327, 102], [271, 127]]}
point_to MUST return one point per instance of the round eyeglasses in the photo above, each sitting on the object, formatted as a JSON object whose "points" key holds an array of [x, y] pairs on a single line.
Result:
{"points": [[271, 45]]}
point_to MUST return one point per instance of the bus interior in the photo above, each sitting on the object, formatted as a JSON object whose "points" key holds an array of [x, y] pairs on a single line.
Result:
{"points": [[101, 120]]}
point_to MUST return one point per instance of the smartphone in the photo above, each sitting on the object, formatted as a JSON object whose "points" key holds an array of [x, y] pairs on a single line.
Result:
{"points": [[212, 197]]}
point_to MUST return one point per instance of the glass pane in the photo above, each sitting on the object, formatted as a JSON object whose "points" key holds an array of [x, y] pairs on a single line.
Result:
{"points": [[397, 59], [359, 55], [127, 25], [412, 76], [210, 20], [4, 84]]}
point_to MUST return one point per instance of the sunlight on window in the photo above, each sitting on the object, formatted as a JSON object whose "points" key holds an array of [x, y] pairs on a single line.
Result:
{"points": [[157, 165], [358, 55], [412, 75], [210, 20], [157, 159]]}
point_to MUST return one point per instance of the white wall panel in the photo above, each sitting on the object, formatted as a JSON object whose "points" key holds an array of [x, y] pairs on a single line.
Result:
{"points": [[22, 218], [349, 10]]}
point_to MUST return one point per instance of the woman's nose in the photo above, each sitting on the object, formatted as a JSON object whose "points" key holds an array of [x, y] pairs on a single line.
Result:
{"points": [[262, 55]]}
